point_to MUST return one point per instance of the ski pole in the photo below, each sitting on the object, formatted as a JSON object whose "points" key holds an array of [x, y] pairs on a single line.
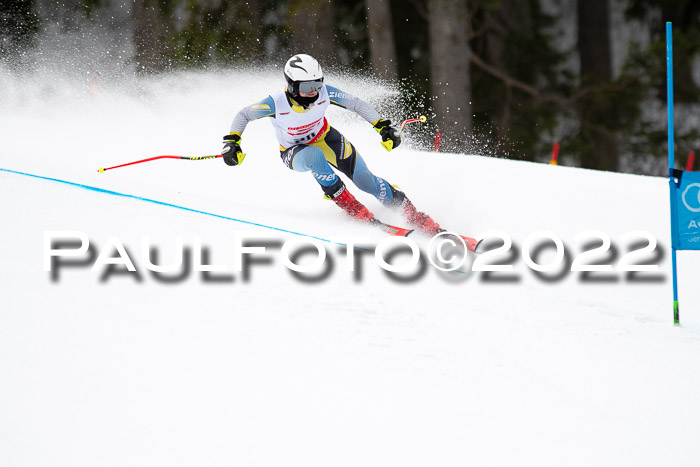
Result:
{"points": [[189, 158], [422, 118]]}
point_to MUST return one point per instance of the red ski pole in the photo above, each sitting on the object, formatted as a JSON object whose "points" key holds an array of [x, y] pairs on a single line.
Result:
{"points": [[189, 158], [422, 118]]}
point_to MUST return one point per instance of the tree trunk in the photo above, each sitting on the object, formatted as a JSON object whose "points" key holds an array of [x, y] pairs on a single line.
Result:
{"points": [[601, 149], [382, 48], [313, 29], [450, 86], [150, 31], [513, 17]]}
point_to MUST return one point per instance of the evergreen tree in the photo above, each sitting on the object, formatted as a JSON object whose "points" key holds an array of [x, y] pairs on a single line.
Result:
{"points": [[597, 108]]}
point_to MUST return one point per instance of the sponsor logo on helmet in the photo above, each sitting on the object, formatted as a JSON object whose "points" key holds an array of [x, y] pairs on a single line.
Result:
{"points": [[295, 63]]}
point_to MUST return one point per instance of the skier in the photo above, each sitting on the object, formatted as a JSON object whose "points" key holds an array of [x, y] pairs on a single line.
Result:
{"points": [[308, 143]]}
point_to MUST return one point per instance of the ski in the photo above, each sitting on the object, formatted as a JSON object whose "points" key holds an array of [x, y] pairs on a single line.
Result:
{"points": [[391, 229], [472, 243]]}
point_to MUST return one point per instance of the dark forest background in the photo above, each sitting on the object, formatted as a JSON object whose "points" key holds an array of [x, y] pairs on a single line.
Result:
{"points": [[516, 75]]}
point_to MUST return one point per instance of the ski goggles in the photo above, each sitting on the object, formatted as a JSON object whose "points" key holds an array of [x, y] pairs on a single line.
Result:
{"points": [[307, 87]]}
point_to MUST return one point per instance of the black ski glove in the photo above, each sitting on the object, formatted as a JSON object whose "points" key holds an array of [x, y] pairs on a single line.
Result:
{"points": [[390, 135], [231, 151]]}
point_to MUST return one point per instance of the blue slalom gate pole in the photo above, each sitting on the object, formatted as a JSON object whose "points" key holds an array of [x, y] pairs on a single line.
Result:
{"points": [[671, 162]]}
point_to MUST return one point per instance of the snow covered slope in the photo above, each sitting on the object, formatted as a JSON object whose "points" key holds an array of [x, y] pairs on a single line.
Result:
{"points": [[103, 367]]}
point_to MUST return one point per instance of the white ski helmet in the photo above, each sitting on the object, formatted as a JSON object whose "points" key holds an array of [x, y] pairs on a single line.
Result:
{"points": [[303, 73]]}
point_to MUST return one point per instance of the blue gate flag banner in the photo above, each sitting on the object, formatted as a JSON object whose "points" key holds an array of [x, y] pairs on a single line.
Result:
{"points": [[685, 215]]}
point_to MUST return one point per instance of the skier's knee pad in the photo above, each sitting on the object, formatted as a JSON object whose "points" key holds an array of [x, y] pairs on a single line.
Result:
{"points": [[365, 181], [310, 158], [370, 183]]}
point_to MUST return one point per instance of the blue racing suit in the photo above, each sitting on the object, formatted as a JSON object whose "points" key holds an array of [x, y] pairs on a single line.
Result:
{"points": [[309, 144]]}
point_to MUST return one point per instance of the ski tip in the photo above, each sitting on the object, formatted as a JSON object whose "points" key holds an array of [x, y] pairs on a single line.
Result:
{"points": [[100, 170], [477, 245], [409, 232]]}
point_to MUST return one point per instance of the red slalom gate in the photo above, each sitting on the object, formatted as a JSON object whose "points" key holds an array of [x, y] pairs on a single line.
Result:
{"points": [[555, 154]]}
